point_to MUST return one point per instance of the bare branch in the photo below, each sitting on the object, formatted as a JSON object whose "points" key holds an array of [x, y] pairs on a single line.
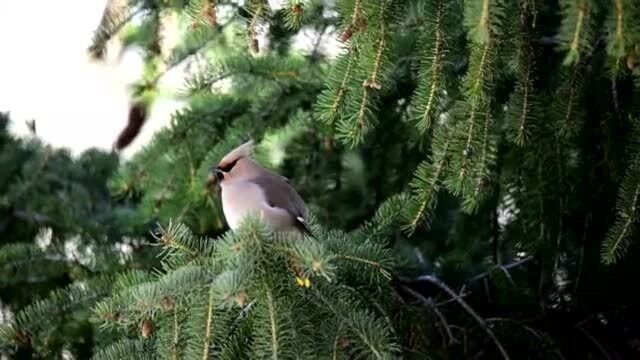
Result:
{"points": [[594, 341], [453, 299], [430, 304], [503, 267], [434, 280], [531, 330]]}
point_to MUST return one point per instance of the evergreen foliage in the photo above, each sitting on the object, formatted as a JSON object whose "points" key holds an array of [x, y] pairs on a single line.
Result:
{"points": [[61, 241], [260, 294]]}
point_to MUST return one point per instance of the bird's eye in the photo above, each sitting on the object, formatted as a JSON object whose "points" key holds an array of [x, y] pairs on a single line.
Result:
{"points": [[228, 167]]}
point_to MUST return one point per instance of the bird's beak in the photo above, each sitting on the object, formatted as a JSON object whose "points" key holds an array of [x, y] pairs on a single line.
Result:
{"points": [[219, 173], [215, 176]]}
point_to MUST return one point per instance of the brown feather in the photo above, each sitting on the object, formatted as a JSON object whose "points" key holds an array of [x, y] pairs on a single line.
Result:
{"points": [[279, 193]]}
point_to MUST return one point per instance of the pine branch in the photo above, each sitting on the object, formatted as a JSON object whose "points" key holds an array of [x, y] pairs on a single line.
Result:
{"points": [[482, 172], [22, 262], [620, 234], [385, 219], [575, 31], [427, 97], [113, 20], [296, 13], [330, 103], [567, 102], [466, 152], [372, 261], [258, 10], [123, 349], [207, 335], [428, 179], [623, 26], [336, 342], [271, 68], [28, 322], [371, 337], [483, 20], [273, 326], [358, 20], [178, 238], [274, 330], [373, 61], [309, 255], [144, 299], [523, 106], [203, 13]]}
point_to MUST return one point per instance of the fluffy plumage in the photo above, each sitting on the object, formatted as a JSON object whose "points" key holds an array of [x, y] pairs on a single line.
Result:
{"points": [[248, 188]]}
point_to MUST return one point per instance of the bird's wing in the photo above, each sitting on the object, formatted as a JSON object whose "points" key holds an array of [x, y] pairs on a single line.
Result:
{"points": [[279, 193]]}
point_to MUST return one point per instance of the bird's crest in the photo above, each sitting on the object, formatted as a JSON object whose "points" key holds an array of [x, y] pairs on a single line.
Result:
{"points": [[242, 151]]}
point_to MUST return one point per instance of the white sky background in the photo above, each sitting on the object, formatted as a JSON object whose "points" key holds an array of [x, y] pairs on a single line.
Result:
{"points": [[46, 74]]}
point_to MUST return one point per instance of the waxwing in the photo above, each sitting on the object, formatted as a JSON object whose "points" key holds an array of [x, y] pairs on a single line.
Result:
{"points": [[249, 188]]}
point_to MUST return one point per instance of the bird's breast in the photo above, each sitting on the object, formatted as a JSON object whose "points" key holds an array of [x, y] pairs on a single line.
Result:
{"points": [[239, 200]]}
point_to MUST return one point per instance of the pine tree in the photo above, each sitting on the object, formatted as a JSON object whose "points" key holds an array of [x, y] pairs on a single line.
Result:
{"points": [[60, 244], [470, 167]]}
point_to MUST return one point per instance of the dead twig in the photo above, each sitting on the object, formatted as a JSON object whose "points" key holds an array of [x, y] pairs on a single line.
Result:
{"points": [[453, 299], [594, 341], [433, 307], [503, 268], [530, 330], [434, 280]]}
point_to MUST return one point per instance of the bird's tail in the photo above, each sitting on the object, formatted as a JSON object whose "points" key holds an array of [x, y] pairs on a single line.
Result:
{"points": [[301, 225]]}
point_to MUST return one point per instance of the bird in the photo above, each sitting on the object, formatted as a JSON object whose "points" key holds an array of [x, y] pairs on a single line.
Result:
{"points": [[248, 188]]}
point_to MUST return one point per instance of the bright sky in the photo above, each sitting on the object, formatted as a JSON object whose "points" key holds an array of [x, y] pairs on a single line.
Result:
{"points": [[46, 75]]}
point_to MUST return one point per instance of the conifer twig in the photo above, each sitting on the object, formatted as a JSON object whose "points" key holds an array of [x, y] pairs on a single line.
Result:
{"points": [[253, 39], [353, 26], [207, 337], [575, 44], [210, 12], [427, 97], [335, 342], [342, 91], [272, 322], [372, 263], [176, 337]]}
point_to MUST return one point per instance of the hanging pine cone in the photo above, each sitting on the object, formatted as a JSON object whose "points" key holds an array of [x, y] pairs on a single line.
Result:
{"points": [[241, 299], [362, 23], [348, 33], [210, 13], [168, 303], [255, 46], [137, 118], [631, 61], [147, 329]]}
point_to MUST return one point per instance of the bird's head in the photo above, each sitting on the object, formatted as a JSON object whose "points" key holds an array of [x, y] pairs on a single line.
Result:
{"points": [[232, 165]]}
